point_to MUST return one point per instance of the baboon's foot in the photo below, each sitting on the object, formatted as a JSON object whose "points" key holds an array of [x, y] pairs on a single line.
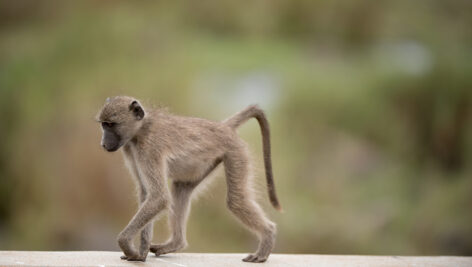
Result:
{"points": [[168, 247], [265, 246], [255, 258]]}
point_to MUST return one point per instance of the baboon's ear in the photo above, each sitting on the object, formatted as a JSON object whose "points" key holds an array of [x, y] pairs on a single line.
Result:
{"points": [[137, 110]]}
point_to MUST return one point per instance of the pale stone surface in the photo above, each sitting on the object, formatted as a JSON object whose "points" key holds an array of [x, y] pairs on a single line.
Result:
{"points": [[106, 258]]}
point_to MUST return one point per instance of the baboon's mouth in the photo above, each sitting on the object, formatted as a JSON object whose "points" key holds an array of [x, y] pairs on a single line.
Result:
{"points": [[113, 149]]}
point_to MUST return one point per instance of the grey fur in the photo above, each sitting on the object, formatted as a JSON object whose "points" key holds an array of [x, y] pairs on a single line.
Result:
{"points": [[158, 145]]}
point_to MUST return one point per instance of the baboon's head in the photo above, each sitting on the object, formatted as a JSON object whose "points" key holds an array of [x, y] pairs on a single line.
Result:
{"points": [[121, 117]]}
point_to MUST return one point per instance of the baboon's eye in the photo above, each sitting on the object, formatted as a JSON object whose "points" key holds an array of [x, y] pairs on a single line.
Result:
{"points": [[107, 124]]}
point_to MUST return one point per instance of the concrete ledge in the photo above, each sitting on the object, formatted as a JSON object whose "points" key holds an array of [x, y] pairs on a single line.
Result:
{"points": [[107, 258]]}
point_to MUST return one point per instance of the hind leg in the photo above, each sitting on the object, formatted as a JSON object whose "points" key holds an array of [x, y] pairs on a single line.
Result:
{"points": [[241, 202], [178, 214]]}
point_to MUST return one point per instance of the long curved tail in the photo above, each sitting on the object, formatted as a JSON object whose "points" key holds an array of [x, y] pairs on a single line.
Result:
{"points": [[241, 117]]}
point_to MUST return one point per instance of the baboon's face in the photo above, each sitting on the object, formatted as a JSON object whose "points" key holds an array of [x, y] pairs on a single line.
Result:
{"points": [[120, 118]]}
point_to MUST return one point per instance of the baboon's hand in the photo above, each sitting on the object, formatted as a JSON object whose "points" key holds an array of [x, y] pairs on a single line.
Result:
{"points": [[167, 247], [136, 258], [143, 254]]}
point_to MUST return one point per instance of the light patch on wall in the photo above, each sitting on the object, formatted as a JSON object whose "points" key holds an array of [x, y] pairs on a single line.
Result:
{"points": [[230, 93], [410, 57]]}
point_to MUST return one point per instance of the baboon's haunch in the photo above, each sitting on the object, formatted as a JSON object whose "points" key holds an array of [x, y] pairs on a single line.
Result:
{"points": [[158, 145]]}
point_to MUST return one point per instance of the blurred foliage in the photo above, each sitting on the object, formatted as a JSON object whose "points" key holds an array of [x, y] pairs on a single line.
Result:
{"points": [[369, 104]]}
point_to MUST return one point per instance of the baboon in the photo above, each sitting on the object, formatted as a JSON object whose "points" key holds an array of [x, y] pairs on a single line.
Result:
{"points": [[158, 145]]}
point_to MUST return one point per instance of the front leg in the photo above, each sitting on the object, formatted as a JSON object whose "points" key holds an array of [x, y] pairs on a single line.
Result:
{"points": [[146, 232], [150, 208], [156, 200], [146, 237], [145, 241]]}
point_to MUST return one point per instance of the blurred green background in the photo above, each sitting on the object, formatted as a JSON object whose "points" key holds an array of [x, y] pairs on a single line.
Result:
{"points": [[369, 104]]}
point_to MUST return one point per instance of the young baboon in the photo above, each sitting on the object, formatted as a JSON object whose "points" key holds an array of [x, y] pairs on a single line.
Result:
{"points": [[158, 145]]}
